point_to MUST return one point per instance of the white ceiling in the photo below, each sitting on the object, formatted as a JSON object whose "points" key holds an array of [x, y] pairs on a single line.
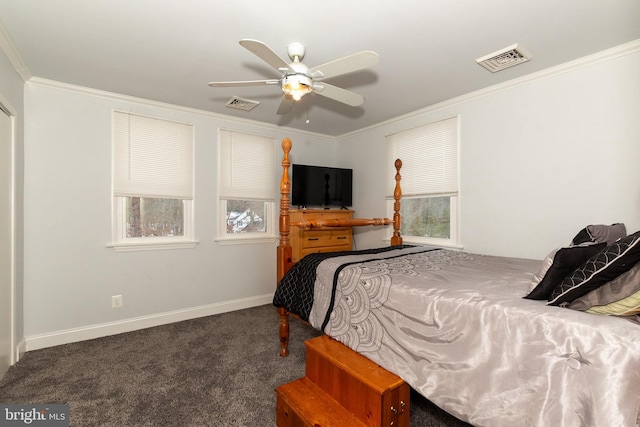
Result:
{"points": [[168, 50]]}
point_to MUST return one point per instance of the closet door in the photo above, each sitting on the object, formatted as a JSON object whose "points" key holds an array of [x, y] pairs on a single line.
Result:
{"points": [[6, 242]]}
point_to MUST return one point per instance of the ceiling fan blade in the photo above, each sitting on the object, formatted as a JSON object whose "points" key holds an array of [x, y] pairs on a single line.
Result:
{"points": [[286, 104], [342, 95], [348, 64], [244, 83], [265, 53]]}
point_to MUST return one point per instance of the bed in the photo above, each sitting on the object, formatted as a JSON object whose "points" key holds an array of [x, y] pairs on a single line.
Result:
{"points": [[469, 332]]}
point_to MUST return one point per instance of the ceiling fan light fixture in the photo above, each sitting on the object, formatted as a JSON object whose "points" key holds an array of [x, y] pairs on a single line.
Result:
{"points": [[296, 79], [297, 85]]}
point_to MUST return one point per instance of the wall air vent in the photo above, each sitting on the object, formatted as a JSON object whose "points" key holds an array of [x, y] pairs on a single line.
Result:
{"points": [[505, 58], [241, 103]]}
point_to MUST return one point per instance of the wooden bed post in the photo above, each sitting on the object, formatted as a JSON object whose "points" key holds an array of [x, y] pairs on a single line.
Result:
{"points": [[396, 239], [284, 251]]}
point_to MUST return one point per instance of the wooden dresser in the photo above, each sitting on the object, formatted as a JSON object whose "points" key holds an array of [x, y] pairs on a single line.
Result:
{"points": [[328, 239]]}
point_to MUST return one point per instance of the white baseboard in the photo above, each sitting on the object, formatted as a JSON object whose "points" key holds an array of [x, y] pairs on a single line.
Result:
{"points": [[21, 349], [51, 339]]}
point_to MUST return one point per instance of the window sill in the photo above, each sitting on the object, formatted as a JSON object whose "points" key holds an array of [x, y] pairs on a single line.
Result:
{"points": [[247, 240], [446, 245], [149, 246]]}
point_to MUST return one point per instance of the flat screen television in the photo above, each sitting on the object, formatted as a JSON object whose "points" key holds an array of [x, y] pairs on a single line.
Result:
{"points": [[313, 186]]}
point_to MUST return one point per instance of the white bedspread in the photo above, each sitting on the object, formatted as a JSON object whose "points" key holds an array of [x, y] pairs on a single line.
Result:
{"points": [[456, 328]]}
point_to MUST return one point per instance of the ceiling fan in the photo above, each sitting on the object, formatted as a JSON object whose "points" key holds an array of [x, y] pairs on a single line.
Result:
{"points": [[297, 79]]}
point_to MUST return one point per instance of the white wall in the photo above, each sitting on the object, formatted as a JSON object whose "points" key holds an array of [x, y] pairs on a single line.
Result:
{"points": [[539, 159], [71, 274]]}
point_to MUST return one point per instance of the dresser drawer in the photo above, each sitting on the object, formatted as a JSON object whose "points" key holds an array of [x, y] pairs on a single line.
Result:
{"points": [[323, 214], [306, 241], [307, 251], [327, 237]]}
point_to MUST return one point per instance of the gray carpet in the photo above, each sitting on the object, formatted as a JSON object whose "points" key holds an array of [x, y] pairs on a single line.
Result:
{"points": [[214, 371]]}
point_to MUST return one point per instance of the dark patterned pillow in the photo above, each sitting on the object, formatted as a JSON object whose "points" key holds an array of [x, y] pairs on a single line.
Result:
{"points": [[601, 268], [600, 233], [565, 261]]}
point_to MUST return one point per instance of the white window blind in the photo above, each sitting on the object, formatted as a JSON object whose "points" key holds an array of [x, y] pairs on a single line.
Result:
{"points": [[429, 157], [152, 157], [247, 165]]}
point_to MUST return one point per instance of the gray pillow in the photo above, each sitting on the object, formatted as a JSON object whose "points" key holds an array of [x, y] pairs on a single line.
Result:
{"points": [[600, 233], [539, 275], [618, 289]]}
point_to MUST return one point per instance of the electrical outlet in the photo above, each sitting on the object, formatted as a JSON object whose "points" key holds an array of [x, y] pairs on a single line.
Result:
{"points": [[116, 301]]}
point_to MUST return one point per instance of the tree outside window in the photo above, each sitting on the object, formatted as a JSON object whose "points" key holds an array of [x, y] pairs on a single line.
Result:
{"points": [[152, 217], [426, 217]]}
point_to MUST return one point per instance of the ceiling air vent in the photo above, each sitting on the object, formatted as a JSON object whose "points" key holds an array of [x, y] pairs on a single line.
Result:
{"points": [[241, 103], [505, 58]]}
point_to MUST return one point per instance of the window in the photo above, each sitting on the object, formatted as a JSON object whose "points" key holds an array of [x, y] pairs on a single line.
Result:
{"points": [[429, 183], [152, 182], [246, 187]]}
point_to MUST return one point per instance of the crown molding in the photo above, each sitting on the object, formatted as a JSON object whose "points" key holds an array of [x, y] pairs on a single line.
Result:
{"points": [[586, 61], [9, 49], [38, 81]]}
